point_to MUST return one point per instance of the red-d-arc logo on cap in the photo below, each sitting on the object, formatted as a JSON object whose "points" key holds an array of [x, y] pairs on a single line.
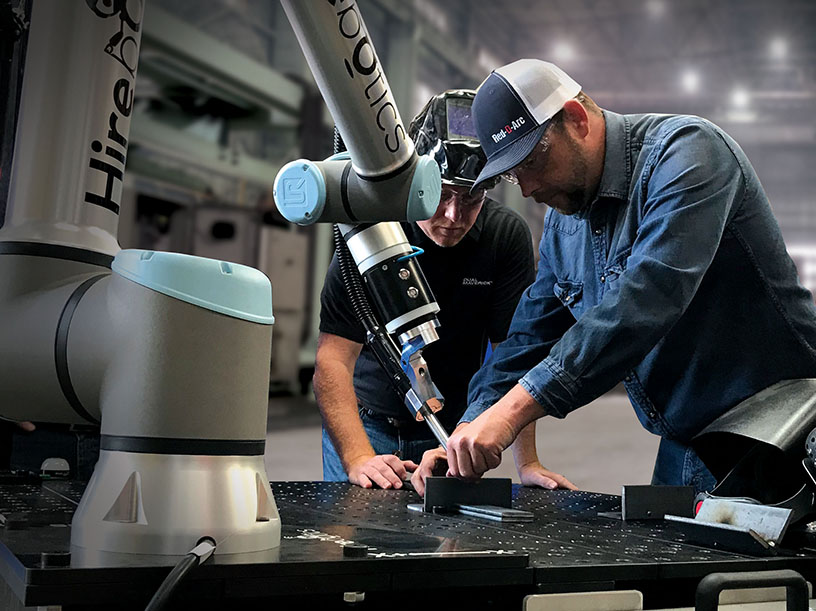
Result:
{"points": [[508, 129]]}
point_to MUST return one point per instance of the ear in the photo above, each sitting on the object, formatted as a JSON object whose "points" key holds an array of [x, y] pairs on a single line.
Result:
{"points": [[576, 118]]}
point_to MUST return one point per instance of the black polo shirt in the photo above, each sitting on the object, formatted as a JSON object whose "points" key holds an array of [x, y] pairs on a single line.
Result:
{"points": [[477, 284]]}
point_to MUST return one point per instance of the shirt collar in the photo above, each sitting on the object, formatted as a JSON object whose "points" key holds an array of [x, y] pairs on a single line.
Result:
{"points": [[617, 168]]}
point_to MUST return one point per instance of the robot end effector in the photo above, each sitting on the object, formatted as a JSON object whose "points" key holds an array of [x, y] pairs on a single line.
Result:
{"points": [[379, 181], [443, 130], [386, 176]]}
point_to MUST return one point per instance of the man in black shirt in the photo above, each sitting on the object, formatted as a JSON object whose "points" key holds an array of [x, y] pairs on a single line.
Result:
{"points": [[478, 260]]}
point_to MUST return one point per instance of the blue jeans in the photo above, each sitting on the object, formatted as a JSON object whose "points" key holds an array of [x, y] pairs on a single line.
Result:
{"points": [[385, 438], [679, 465]]}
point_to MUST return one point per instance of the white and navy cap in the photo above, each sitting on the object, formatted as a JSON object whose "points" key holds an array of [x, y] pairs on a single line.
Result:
{"points": [[512, 109]]}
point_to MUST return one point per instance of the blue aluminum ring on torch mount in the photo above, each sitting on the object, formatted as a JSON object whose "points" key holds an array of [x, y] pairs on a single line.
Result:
{"points": [[426, 189], [300, 192]]}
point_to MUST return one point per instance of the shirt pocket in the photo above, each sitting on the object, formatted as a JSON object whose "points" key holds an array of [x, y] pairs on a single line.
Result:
{"points": [[618, 265], [563, 224], [569, 293]]}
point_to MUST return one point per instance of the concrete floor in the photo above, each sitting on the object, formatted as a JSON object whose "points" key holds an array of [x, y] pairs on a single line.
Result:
{"points": [[599, 447]]}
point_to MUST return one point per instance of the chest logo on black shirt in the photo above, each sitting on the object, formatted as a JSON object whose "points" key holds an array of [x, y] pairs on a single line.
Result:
{"points": [[476, 282]]}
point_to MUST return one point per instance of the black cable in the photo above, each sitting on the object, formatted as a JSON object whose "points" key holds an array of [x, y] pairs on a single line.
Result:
{"points": [[14, 25], [348, 269], [171, 582], [197, 555], [381, 345], [352, 281], [377, 339], [339, 145]]}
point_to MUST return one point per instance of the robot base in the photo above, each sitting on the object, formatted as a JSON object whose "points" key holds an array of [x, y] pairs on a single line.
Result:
{"points": [[163, 504]]}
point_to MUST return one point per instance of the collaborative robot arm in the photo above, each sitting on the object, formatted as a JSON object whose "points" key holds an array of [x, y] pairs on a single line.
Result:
{"points": [[169, 353], [381, 180]]}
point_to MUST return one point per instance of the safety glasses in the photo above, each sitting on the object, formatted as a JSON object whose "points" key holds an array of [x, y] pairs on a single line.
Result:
{"points": [[465, 198], [536, 158]]}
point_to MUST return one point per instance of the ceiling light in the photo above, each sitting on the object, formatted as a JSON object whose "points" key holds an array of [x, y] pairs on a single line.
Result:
{"points": [[779, 48], [690, 81], [655, 8], [740, 98]]}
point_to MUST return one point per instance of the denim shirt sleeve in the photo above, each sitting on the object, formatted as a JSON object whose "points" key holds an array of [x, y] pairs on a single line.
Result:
{"points": [[539, 321], [692, 187]]}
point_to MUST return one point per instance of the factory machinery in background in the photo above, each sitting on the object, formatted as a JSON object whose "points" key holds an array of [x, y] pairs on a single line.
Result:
{"points": [[169, 353]]}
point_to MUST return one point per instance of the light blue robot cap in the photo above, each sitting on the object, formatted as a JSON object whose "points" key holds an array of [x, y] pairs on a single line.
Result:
{"points": [[227, 288]]}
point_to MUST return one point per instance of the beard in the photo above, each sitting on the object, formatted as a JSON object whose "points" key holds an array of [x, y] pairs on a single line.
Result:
{"points": [[572, 203], [575, 197]]}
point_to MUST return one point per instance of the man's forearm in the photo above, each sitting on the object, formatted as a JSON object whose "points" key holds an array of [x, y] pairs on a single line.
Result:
{"points": [[524, 447], [519, 408], [334, 390]]}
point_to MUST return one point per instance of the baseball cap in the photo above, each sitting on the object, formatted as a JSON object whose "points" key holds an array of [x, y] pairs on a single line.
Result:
{"points": [[512, 109]]}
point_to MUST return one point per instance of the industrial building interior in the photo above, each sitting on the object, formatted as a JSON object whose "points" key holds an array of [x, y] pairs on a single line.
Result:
{"points": [[224, 98]]}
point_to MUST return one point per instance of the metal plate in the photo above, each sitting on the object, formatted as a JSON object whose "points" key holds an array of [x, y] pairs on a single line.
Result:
{"points": [[447, 493], [653, 502], [724, 536], [770, 523]]}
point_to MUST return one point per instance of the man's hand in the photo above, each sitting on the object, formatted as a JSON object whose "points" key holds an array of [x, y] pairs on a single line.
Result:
{"points": [[529, 468], [434, 462], [384, 471], [477, 447], [534, 474]]}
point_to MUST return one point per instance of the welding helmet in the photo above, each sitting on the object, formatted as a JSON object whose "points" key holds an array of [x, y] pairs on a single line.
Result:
{"points": [[444, 130]]}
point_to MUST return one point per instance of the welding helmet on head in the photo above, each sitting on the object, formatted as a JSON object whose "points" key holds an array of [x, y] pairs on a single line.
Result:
{"points": [[444, 130]]}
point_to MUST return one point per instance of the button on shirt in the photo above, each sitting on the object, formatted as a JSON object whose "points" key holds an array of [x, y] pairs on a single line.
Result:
{"points": [[675, 279], [477, 284]]}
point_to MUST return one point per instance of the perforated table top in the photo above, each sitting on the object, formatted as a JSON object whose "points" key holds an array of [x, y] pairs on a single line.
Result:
{"points": [[567, 543]]}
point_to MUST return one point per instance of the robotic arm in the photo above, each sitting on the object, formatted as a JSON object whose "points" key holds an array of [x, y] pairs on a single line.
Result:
{"points": [[380, 179], [169, 353]]}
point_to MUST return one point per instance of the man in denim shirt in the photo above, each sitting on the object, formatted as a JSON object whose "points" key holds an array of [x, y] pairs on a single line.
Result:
{"points": [[661, 265]]}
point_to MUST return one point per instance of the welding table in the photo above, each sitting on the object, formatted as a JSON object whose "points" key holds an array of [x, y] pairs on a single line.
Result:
{"points": [[413, 560]]}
